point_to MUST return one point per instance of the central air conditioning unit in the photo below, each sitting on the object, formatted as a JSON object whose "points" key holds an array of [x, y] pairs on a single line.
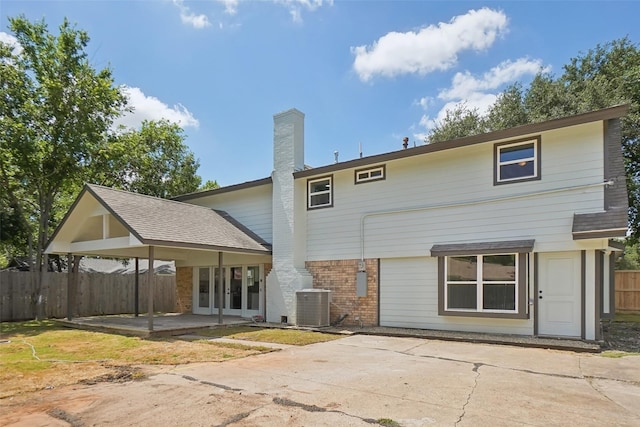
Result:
{"points": [[312, 307]]}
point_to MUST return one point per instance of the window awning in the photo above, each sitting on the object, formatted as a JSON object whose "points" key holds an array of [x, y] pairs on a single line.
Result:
{"points": [[482, 248]]}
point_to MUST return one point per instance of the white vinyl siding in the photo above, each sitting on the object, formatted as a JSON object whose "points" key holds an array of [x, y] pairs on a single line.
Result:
{"points": [[409, 299], [252, 207], [449, 197]]}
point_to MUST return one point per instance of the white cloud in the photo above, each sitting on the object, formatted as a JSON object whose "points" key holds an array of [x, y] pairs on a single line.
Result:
{"points": [[230, 6], [478, 93], [151, 108], [432, 48], [465, 85], [10, 40], [190, 18], [297, 6]]}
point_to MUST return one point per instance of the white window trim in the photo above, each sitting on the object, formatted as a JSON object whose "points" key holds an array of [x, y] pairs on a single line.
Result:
{"points": [[536, 159], [368, 171], [319, 193], [479, 286]]}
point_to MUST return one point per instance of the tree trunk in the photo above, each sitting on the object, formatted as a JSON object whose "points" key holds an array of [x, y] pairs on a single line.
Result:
{"points": [[46, 202]]}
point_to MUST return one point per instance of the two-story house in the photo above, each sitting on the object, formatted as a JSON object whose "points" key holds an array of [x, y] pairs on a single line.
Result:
{"points": [[504, 232]]}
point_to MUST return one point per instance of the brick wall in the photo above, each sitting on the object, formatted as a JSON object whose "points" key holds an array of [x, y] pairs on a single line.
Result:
{"points": [[184, 289], [340, 278]]}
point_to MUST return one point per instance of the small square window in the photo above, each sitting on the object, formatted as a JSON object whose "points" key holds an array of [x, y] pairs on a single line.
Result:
{"points": [[370, 174], [320, 192], [517, 161]]}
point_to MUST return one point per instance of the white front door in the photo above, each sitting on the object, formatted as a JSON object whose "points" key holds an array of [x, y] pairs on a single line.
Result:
{"points": [[559, 294]]}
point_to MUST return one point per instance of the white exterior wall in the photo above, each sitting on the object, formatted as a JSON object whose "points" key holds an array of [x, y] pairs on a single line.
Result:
{"points": [[427, 186], [252, 207], [409, 299]]}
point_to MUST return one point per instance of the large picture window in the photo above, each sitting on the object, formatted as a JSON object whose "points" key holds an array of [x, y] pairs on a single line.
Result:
{"points": [[482, 283], [517, 161], [320, 193]]}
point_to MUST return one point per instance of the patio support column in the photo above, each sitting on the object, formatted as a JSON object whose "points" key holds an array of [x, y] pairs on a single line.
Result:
{"points": [[136, 297], [152, 280], [70, 287], [221, 289]]}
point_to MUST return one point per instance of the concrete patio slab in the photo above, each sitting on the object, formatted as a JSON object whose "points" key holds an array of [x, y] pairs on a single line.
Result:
{"points": [[169, 324], [362, 380]]}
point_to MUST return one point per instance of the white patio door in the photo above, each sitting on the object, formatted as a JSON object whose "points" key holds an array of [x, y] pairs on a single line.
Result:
{"points": [[202, 290], [242, 286], [559, 294]]}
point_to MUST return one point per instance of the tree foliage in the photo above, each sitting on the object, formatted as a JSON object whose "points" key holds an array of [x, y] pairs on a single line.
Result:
{"points": [[606, 75], [56, 120], [56, 107], [152, 160]]}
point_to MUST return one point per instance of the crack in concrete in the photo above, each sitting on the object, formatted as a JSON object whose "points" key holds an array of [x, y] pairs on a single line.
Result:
{"points": [[209, 383], [476, 370], [65, 416], [236, 418], [313, 408], [589, 379]]}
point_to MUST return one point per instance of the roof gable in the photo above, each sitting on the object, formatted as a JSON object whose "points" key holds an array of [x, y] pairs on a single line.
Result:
{"points": [[154, 221]]}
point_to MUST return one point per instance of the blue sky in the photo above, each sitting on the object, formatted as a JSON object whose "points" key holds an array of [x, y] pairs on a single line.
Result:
{"points": [[365, 73]]}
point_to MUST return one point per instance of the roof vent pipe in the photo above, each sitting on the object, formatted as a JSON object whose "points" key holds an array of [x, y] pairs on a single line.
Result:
{"points": [[335, 154]]}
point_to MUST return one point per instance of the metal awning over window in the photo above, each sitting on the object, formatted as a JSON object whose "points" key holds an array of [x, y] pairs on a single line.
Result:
{"points": [[482, 248]]}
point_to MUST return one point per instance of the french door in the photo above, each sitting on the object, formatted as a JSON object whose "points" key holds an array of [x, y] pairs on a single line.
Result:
{"points": [[242, 288]]}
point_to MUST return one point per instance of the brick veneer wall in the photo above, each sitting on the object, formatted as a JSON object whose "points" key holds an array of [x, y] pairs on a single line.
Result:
{"points": [[184, 289], [340, 278]]}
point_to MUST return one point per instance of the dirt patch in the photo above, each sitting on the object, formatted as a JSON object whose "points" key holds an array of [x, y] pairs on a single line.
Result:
{"points": [[621, 336], [120, 374]]}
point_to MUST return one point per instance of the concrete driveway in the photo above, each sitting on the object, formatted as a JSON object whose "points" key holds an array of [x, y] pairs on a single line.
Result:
{"points": [[360, 380]]}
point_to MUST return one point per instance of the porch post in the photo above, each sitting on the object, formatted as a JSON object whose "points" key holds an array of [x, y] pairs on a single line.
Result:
{"points": [[221, 289], [136, 297], [69, 286], [151, 281]]}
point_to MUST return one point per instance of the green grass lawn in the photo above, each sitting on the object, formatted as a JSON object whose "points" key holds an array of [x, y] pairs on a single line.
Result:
{"points": [[630, 316], [39, 354], [271, 335]]}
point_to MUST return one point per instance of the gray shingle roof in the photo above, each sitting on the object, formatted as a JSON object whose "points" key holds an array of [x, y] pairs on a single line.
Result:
{"points": [[165, 222]]}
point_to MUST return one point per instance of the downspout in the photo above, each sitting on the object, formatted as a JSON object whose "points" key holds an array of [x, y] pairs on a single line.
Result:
{"points": [[468, 203]]}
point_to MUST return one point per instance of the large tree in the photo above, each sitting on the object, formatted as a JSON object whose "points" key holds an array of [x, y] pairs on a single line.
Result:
{"points": [[56, 109], [152, 160], [604, 76], [56, 120]]}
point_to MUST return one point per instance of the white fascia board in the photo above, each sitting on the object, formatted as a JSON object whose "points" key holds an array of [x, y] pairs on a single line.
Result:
{"points": [[58, 248], [133, 240], [98, 245]]}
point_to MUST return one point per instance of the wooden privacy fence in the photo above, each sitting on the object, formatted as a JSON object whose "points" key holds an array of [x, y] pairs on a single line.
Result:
{"points": [[628, 290], [97, 294]]}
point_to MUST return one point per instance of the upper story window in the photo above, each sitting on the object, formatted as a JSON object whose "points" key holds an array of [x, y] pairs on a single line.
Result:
{"points": [[320, 192], [517, 161], [370, 174]]}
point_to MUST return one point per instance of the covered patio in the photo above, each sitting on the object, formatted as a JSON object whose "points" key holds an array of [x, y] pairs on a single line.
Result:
{"points": [[167, 324], [110, 223]]}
